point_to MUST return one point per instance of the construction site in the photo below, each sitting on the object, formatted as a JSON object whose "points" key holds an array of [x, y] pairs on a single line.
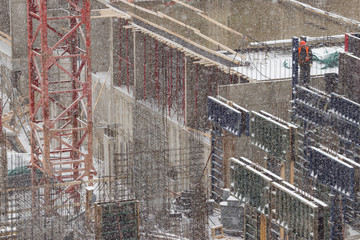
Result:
{"points": [[179, 120]]}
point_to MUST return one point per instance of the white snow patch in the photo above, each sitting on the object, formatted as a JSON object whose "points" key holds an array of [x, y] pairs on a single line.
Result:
{"points": [[277, 64]]}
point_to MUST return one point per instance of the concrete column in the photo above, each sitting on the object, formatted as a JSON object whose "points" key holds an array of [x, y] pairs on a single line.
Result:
{"points": [[109, 146], [102, 39], [138, 44], [18, 28], [18, 32], [5, 17], [113, 50]]}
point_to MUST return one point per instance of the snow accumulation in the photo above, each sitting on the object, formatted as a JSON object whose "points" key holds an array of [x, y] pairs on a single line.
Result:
{"points": [[5, 48], [277, 64]]}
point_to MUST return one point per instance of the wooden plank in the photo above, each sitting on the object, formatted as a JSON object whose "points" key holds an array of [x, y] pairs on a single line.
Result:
{"points": [[136, 6], [188, 6], [199, 132], [209, 64], [5, 35], [201, 13], [198, 32], [223, 26], [310, 9], [5, 40], [201, 62], [20, 144], [108, 13], [185, 39]]}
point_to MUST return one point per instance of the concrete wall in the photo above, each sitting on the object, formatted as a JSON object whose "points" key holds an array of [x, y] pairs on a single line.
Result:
{"points": [[100, 43], [5, 56], [116, 107], [18, 32], [18, 17], [3, 179], [271, 96], [5, 17], [349, 76]]}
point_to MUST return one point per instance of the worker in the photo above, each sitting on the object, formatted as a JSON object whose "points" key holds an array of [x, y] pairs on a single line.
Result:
{"points": [[305, 63]]}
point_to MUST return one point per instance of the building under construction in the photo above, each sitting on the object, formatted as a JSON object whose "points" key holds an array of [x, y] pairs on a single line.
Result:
{"points": [[174, 119]]}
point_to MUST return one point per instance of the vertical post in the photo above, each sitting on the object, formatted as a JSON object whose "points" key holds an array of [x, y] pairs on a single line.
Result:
{"points": [[228, 152], [75, 134], [127, 57], [88, 92], [1, 102], [171, 81], [346, 42], [293, 147], [45, 60], [144, 66], [295, 68], [89, 204], [196, 92], [98, 218], [263, 227], [3, 160], [30, 9], [185, 80], [157, 72], [168, 79], [1, 114], [120, 57]]}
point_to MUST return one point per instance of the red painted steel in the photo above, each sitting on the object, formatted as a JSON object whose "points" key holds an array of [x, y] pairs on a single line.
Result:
{"points": [[171, 81], [61, 138], [196, 89], [1, 128], [127, 57], [168, 78], [120, 58], [346, 42], [184, 88], [157, 72], [144, 67]]}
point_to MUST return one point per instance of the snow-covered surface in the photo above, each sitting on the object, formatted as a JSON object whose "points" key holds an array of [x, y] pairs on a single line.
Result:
{"points": [[102, 76], [289, 41], [277, 64], [5, 48], [352, 232], [16, 159], [333, 15], [215, 220]]}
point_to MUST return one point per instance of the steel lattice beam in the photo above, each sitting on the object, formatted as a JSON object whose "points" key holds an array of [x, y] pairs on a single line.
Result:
{"points": [[61, 138]]}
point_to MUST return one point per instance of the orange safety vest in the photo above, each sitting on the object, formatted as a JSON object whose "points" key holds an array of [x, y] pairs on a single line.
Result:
{"points": [[307, 55]]}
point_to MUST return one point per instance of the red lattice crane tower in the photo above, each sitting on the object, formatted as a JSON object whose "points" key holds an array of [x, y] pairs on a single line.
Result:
{"points": [[60, 99]]}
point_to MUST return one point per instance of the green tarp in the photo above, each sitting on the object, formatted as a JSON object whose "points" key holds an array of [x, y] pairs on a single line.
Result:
{"points": [[329, 60]]}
